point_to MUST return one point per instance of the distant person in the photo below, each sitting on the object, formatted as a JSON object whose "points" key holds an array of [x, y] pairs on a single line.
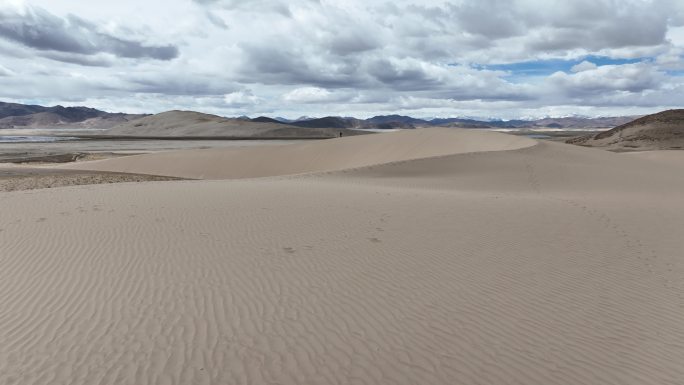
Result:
{"points": [[340, 134]]}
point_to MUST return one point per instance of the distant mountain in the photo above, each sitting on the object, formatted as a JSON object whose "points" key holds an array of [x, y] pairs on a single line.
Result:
{"points": [[13, 109], [328, 122], [582, 123], [406, 122], [375, 123], [187, 124], [265, 119], [461, 123], [396, 119], [14, 115], [661, 131]]}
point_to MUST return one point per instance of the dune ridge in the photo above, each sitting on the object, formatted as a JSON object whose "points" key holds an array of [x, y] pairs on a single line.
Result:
{"points": [[317, 156], [545, 264]]}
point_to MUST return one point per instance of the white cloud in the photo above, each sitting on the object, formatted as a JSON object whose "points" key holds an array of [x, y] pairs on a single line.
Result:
{"points": [[628, 78], [308, 95], [583, 66], [241, 99]]}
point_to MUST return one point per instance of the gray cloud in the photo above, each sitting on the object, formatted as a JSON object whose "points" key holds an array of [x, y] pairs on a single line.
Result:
{"points": [[632, 78], [172, 84], [41, 30], [405, 77], [479, 18], [286, 64], [276, 6], [4, 71]]}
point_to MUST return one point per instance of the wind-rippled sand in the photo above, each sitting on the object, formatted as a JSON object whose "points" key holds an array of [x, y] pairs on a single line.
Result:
{"points": [[507, 262]]}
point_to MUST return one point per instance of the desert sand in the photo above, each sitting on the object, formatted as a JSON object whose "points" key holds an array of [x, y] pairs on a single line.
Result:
{"points": [[15, 178], [420, 257]]}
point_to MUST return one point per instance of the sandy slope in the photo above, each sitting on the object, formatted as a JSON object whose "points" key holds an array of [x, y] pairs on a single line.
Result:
{"points": [[549, 264], [315, 156], [665, 157]]}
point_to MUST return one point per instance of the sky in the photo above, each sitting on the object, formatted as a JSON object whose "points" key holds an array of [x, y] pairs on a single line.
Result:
{"points": [[498, 59]]}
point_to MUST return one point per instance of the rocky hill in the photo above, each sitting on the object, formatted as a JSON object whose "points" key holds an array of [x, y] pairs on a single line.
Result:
{"points": [[194, 124], [13, 115], [661, 131]]}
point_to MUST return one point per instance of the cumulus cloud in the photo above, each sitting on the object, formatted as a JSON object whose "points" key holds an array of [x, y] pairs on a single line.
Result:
{"points": [[241, 98], [583, 66], [628, 78], [308, 95], [36, 28]]}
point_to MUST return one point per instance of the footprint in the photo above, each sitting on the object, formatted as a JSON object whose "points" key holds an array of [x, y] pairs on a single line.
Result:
{"points": [[289, 250], [374, 240]]}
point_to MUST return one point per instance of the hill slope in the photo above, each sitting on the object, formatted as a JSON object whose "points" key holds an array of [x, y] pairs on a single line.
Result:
{"points": [[13, 115], [195, 124], [661, 131]]}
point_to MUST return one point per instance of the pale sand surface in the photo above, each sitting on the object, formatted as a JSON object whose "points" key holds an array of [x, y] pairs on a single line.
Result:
{"points": [[115, 147], [15, 178], [315, 156], [666, 157], [541, 264]]}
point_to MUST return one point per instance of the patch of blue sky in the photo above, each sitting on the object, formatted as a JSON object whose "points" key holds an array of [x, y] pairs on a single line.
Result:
{"points": [[541, 68]]}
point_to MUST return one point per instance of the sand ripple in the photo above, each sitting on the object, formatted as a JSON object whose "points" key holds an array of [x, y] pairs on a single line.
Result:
{"points": [[545, 265]]}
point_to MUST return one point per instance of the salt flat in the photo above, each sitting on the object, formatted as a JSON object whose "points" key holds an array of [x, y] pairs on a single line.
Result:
{"points": [[422, 257]]}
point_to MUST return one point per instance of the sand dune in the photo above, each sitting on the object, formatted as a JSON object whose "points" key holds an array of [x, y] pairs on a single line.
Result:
{"points": [[668, 157], [315, 156], [534, 264]]}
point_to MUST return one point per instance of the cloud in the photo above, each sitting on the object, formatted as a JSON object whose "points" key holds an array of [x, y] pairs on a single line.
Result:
{"points": [[169, 83], [38, 29], [495, 19], [308, 95], [276, 6], [4, 71], [583, 66], [632, 78], [241, 98]]}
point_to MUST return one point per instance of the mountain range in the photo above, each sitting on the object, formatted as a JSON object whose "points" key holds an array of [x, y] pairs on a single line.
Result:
{"points": [[13, 115], [190, 124], [401, 121]]}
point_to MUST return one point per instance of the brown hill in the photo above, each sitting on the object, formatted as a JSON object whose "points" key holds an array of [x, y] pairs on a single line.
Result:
{"points": [[13, 115], [188, 124], [661, 131]]}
